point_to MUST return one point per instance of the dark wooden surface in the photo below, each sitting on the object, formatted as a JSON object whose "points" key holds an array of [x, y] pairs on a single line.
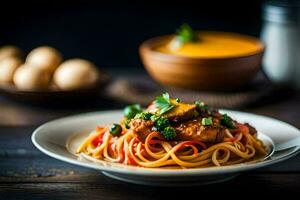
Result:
{"points": [[26, 173]]}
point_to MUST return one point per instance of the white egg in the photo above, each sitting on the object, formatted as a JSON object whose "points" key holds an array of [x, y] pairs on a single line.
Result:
{"points": [[10, 51], [8, 67], [46, 58], [76, 74], [30, 78]]}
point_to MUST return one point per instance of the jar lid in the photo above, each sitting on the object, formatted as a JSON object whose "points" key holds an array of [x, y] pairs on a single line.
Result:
{"points": [[284, 11]]}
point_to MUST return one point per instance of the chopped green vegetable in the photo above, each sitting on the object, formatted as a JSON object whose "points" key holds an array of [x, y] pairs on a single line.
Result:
{"points": [[169, 133], [227, 121], [185, 34], [115, 130], [131, 110], [202, 107], [163, 103], [206, 121], [177, 100], [154, 118], [144, 115], [162, 123]]}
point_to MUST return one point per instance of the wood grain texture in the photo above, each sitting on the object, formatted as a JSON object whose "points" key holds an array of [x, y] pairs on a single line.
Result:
{"points": [[26, 173], [250, 184]]}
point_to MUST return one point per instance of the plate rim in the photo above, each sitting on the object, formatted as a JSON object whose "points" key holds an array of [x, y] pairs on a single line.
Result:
{"points": [[131, 170]]}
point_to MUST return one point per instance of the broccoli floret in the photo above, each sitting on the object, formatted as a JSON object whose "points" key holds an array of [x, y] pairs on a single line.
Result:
{"points": [[143, 115], [162, 123], [154, 117], [227, 121], [169, 133]]}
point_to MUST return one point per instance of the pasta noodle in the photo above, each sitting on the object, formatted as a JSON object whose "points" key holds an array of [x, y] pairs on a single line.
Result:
{"points": [[155, 152], [174, 135]]}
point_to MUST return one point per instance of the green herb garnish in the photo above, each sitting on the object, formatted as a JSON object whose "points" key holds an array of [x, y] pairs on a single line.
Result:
{"points": [[169, 133], [203, 107], [154, 117], [184, 35], [162, 123], [131, 110], [163, 103], [144, 115], [227, 121], [206, 121], [115, 130]]}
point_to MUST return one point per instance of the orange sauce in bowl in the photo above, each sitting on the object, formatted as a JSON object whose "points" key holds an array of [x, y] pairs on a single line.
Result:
{"points": [[211, 44]]}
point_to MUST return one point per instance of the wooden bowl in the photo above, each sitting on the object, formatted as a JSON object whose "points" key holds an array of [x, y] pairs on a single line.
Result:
{"points": [[201, 73]]}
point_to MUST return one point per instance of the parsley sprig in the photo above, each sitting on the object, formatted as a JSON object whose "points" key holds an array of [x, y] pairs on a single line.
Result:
{"points": [[227, 121], [185, 34], [202, 107], [163, 103]]}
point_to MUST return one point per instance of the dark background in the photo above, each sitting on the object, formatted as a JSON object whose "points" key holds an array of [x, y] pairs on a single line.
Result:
{"points": [[109, 32]]}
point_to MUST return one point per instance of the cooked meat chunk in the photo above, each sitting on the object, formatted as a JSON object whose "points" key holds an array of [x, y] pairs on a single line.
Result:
{"points": [[181, 111], [193, 130], [142, 127], [190, 130]]}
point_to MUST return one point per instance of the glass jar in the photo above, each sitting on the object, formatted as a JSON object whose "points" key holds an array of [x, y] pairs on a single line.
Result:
{"points": [[281, 34]]}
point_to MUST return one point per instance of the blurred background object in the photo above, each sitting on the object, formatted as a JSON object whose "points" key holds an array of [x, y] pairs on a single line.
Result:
{"points": [[76, 74], [45, 58], [281, 33], [212, 61], [30, 78], [10, 51], [109, 32], [8, 67]]}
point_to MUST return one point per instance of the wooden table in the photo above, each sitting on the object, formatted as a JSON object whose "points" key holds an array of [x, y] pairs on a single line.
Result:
{"points": [[26, 173]]}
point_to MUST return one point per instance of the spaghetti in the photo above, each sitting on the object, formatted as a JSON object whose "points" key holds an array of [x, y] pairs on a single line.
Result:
{"points": [[147, 146]]}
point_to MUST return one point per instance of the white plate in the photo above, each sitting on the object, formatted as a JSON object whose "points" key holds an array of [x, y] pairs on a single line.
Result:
{"points": [[53, 138]]}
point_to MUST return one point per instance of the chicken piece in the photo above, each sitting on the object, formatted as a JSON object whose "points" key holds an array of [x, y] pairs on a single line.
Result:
{"points": [[193, 130], [142, 127], [180, 112]]}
